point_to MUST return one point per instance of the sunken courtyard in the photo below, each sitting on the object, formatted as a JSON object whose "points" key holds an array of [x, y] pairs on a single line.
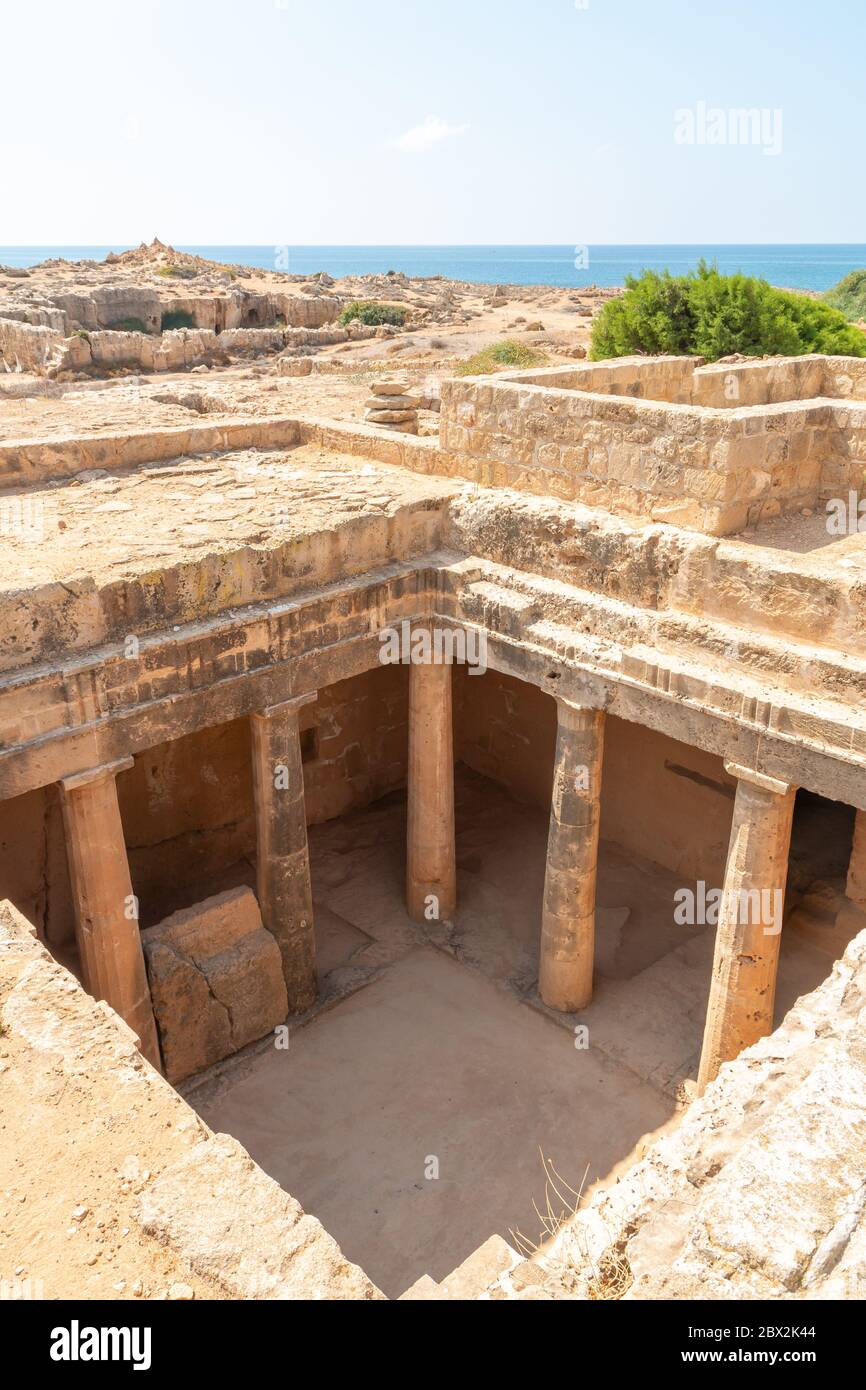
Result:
{"points": [[397, 829]]}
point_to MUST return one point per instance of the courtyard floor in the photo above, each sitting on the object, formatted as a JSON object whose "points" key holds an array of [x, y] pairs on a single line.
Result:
{"points": [[411, 1111]]}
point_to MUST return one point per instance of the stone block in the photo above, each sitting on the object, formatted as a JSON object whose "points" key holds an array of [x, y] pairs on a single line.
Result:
{"points": [[216, 980]]}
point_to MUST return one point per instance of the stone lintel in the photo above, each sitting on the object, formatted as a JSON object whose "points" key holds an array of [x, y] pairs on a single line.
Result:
{"points": [[758, 779], [822, 771], [48, 757], [142, 726], [291, 706]]}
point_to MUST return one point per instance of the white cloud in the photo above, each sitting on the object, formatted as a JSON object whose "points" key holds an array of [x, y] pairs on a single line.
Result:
{"points": [[430, 132]]}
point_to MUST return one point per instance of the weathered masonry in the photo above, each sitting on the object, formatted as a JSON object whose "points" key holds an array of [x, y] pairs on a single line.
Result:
{"points": [[642, 656], [194, 672], [715, 447]]}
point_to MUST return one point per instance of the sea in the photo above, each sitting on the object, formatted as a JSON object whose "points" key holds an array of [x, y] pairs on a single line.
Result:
{"points": [[793, 266]]}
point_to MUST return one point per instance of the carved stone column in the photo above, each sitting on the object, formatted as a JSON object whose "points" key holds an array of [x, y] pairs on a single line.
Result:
{"points": [[568, 915], [431, 873], [106, 918], [743, 989], [282, 855]]}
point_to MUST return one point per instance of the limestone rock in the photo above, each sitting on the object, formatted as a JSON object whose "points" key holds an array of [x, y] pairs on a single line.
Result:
{"points": [[389, 388], [216, 980], [759, 1192], [294, 366], [234, 1225], [390, 417], [392, 403]]}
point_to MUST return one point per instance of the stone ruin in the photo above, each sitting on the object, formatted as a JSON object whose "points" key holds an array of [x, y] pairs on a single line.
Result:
{"points": [[212, 784], [55, 333]]}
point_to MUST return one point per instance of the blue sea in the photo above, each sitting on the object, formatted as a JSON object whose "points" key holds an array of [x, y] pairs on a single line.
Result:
{"points": [[792, 266]]}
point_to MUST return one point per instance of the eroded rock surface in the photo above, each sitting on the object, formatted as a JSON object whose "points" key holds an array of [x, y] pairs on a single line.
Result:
{"points": [[131, 1195], [216, 981], [760, 1192]]}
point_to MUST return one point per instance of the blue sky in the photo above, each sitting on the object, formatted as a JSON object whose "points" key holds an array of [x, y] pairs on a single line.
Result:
{"points": [[292, 122]]}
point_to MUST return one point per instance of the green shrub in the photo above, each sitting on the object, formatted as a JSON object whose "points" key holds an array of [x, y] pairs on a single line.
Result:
{"points": [[849, 296], [372, 312], [507, 353], [177, 318], [716, 316], [177, 272], [654, 315], [129, 325]]}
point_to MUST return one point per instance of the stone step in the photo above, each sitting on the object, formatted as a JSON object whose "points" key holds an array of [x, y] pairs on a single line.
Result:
{"points": [[470, 1279], [424, 1290]]}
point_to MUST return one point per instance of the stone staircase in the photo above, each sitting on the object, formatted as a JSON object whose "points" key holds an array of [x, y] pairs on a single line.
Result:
{"points": [[472, 1278]]}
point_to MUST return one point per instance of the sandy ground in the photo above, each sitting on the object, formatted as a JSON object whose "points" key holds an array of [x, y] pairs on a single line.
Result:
{"points": [[174, 398], [449, 322]]}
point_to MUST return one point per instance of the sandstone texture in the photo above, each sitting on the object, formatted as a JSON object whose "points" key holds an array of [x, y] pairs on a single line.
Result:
{"points": [[216, 981], [132, 1194], [392, 404], [715, 448], [205, 573]]}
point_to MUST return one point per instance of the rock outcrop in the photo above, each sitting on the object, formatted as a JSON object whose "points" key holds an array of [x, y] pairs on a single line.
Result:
{"points": [[130, 1195]]}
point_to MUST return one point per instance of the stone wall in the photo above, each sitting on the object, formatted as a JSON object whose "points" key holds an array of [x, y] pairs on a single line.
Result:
{"points": [[27, 347], [712, 449], [675, 811], [722, 385], [663, 378], [844, 465], [732, 384], [187, 805], [506, 730]]}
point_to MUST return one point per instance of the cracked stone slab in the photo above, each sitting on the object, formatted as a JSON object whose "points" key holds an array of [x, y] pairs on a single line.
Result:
{"points": [[216, 980]]}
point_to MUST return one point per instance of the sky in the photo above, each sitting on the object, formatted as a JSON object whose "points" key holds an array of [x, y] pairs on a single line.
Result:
{"points": [[333, 122]]}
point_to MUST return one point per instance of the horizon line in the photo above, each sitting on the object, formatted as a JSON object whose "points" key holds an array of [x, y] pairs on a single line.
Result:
{"points": [[422, 245]]}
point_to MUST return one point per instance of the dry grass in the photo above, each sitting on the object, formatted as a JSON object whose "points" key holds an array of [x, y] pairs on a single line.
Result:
{"points": [[496, 357], [610, 1276]]}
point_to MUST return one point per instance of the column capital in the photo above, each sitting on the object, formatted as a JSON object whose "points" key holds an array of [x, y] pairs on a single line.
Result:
{"points": [[76, 780], [758, 779], [583, 693], [291, 706], [567, 708]]}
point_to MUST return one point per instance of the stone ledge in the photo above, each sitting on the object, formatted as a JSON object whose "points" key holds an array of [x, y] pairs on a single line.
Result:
{"points": [[759, 1193], [117, 1140]]}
